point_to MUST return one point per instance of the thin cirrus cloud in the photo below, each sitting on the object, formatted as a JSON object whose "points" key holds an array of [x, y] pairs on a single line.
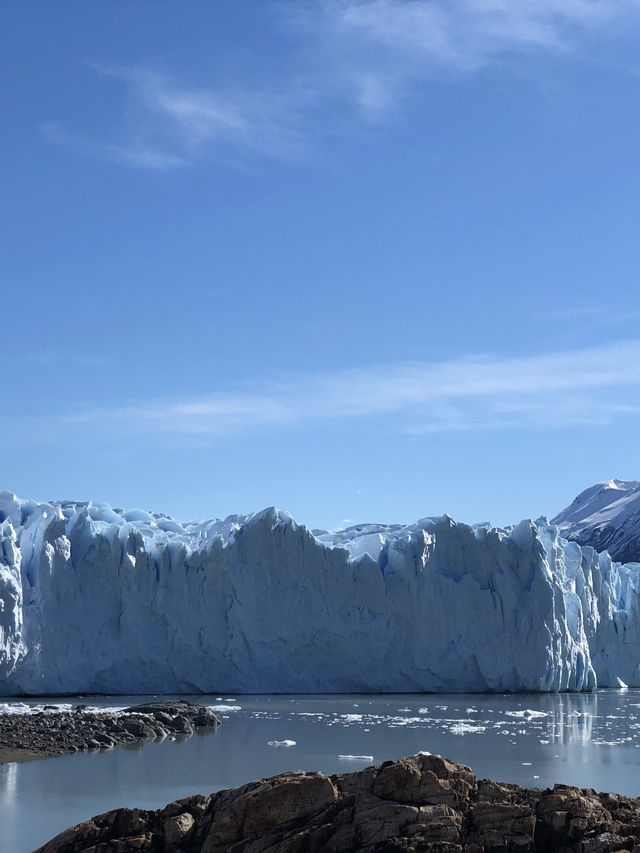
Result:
{"points": [[385, 48], [175, 125], [361, 57], [588, 386], [137, 154]]}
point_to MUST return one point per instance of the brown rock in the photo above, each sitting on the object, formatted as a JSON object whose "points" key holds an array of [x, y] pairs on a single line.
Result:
{"points": [[290, 798], [502, 825], [177, 831], [421, 804], [566, 815], [424, 780]]}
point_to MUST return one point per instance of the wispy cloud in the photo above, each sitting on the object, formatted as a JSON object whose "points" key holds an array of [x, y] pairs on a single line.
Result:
{"points": [[361, 57], [384, 49], [135, 153], [169, 124], [54, 357], [582, 318], [593, 386]]}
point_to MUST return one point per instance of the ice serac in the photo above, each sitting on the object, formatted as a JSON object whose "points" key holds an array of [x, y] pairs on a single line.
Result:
{"points": [[607, 517], [96, 599]]}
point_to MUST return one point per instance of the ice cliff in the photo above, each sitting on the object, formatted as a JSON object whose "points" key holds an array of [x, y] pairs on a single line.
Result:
{"points": [[95, 599]]}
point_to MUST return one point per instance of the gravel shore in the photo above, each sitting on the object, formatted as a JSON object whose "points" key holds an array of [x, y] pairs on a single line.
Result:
{"points": [[50, 731]]}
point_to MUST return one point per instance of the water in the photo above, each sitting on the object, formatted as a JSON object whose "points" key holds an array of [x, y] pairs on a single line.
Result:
{"points": [[590, 740]]}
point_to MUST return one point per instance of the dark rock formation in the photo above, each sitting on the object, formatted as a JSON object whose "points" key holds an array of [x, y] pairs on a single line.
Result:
{"points": [[53, 732], [422, 804]]}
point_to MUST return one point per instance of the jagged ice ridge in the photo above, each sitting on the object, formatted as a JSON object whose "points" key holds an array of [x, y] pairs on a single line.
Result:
{"points": [[95, 599]]}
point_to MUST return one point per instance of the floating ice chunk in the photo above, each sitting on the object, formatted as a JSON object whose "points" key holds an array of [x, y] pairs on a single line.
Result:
{"points": [[285, 743], [527, 714], [356, 757], [404, 721], [466, 728], [15, 708], [22, 708], [224, 709], [103, 709]]}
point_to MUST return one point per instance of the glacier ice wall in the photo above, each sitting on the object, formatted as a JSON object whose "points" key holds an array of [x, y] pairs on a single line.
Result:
{"points": [[95, 599]]}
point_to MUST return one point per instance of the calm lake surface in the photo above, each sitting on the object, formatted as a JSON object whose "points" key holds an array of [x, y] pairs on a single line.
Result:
{"points": [[590, 740]]}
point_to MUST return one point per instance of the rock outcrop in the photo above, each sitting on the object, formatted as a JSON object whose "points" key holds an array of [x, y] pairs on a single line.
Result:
{"points": [[423, 803], [49, 732]]}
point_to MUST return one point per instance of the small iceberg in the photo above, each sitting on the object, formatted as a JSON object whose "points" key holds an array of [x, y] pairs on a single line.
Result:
{"points": [[466, 728]]}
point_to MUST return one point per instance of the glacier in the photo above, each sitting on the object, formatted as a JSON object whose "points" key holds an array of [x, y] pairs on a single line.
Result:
{"points": [[95, 599]]}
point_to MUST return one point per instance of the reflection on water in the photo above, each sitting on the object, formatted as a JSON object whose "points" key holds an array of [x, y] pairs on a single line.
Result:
{"points": [[571, 719], [585, 739]]}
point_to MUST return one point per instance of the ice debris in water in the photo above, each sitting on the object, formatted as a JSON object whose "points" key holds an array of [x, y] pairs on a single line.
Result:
{"points": [[527, 714], [466, 728]]}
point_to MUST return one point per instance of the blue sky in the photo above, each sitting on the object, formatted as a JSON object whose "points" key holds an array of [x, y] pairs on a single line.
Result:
{"points": [[363, 260]]}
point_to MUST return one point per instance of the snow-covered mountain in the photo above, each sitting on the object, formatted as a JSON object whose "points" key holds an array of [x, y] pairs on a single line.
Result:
{"points": [[607, 517], [95, 599]]}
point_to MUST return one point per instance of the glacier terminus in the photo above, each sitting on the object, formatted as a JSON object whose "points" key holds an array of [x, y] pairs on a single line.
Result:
{"points": [[101, 600]]}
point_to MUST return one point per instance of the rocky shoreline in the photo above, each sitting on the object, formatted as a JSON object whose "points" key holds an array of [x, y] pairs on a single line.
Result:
{"points": [[50, 731], [422, 804]]}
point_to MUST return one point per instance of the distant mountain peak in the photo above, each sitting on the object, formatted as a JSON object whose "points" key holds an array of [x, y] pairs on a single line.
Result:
{"points": [[607, 517]]}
